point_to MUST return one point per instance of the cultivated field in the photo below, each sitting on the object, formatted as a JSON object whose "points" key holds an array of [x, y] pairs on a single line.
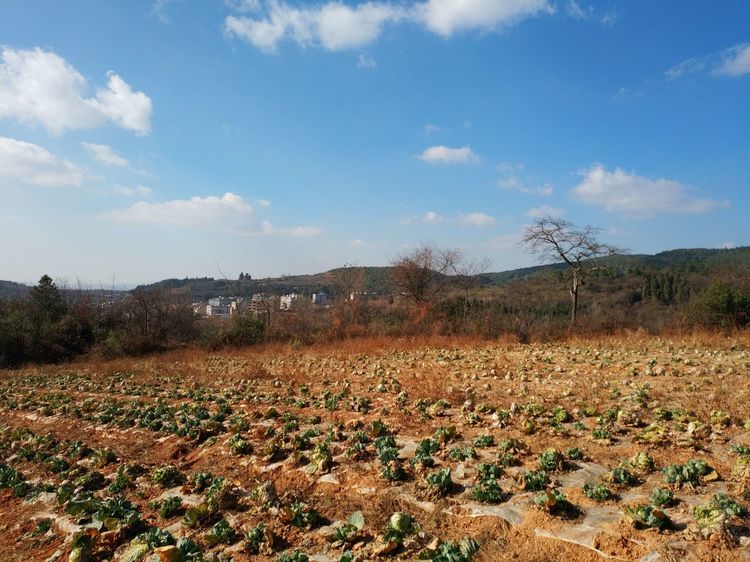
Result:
{"points": [[629, 449]]}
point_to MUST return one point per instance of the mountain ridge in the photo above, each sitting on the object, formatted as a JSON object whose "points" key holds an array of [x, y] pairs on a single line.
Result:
{"points": [[376, 277]]}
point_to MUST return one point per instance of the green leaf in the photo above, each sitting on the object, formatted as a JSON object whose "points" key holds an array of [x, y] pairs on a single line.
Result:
{"points": [[357, 519]]}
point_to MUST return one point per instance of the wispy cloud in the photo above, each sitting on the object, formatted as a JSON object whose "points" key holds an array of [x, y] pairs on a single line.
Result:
{"points": [[159, 10], [735, 61], [243, 5], [267, 229], [105, 154], [38, 86], [544, 211], [366, 61], [576, 11], [130, 191], [444, 155], [582, 12], [630, 93], [358, 243], [638, 197], [689, 66], [34, 165], [511, 179], [465, 219]]}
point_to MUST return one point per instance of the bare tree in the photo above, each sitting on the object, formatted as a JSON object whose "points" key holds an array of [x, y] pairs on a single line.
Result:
{"points": [[554, 239], [422, 273], [467, 274], [349, 280]]}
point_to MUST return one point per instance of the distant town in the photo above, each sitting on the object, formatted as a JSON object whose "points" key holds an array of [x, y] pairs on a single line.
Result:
{"points": [[262, 304]]}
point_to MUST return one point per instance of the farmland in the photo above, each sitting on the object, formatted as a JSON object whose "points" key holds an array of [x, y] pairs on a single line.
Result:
{"points": [[633, 448]]}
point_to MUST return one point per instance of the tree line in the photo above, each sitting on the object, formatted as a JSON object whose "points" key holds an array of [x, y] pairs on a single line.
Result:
{"points": [[433, 291]]}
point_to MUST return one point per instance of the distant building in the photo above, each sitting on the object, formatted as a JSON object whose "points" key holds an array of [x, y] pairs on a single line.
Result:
{"points": [[217, 311], [223, 307], [319, 298], [260, 304], [286, 302], [361, 296]]}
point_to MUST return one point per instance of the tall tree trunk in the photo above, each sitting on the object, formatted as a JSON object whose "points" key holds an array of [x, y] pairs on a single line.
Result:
{"points": [[574, 298]]}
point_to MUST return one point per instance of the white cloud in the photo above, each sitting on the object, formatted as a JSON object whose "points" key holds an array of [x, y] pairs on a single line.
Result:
{"points": [[465, 219], [447, 17], [333, 26], [229, 213], [124, 107], [689, 66], [337, 26], [476, 219], [726, 246], [105, 154], [268, 229], [137, 190], [432, 217], [228, 210], [637, 196], [447, 155], [736, 61], [35, 165], [432, 129], [263, 202], [38, 86], [366, 61], [544, 211]]}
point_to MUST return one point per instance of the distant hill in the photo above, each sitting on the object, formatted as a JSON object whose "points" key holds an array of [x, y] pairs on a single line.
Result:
{"points": [[10, 290], [376, 279], [203, 288], [685, 260]]}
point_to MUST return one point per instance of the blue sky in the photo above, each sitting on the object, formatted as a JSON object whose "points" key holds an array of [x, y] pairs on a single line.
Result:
{"points": [[141, 140]]}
